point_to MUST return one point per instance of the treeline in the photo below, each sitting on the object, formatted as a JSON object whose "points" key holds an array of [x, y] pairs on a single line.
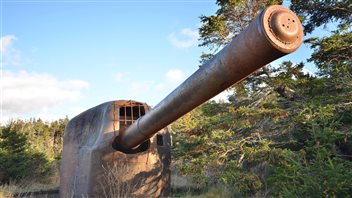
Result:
{"points": [[30, 150], [284, 132]]}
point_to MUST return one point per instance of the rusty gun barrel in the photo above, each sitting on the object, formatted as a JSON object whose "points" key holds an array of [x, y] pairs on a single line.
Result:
{"points": [[275, 32]]}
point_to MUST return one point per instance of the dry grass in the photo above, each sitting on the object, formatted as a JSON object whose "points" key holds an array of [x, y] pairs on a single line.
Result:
{"points": [[115, 186], [24, 188]]}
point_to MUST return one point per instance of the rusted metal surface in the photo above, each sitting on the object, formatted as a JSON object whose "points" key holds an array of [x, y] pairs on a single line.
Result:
{"points": [[274, 33], [91, 167]]}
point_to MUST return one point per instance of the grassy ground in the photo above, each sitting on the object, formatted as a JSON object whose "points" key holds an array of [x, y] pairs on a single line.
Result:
{"points": [[53, 192], [28, 189], [181, 187]]}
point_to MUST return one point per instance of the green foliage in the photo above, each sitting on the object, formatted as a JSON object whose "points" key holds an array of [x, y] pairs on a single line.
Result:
{"points": [[17, 160], [30, 149], [320, 12], [284, 133], [320, 168], [230, 19], [332, 55], [230, 157]]}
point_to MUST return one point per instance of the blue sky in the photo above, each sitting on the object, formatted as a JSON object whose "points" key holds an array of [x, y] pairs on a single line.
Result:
{"points": [[60, 58]]}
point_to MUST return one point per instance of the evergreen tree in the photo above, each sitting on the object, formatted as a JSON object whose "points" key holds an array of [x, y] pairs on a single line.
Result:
{"points": [[286, 132], [17, 160], [316, 13], [30, 149]]}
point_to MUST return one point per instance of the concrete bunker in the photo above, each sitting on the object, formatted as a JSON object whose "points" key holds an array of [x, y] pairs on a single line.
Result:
{"points": [[95, 165]]}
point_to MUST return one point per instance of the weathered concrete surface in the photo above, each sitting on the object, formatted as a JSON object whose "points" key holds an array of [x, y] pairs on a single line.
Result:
{"points": [[91, 167]]}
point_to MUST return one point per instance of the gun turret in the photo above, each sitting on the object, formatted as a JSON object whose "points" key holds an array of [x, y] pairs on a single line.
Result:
{"points": [[122, 148]]}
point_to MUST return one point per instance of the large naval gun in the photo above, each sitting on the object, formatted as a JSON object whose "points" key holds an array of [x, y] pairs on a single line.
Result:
{"points": [[122, 148]]}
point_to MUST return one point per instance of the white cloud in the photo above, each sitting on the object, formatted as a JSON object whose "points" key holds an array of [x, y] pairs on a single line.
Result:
{"points": [[175, 76], [307, 71], [5, 43], [137, 89], [120, 76], [223, 96], [151, 91], [190, 38], [25, 92], [10, 56]]}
